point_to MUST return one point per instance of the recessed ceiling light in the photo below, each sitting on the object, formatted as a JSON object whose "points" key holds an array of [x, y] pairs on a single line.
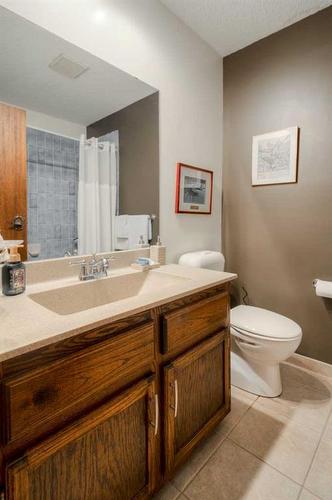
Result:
{"points": [[99, 15]]}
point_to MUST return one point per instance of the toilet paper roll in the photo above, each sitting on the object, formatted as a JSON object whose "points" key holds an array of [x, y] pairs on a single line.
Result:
{"points": [[323, 288]]}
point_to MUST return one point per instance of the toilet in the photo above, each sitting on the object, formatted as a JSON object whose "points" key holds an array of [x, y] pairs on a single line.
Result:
{"points": [[261, 339]]}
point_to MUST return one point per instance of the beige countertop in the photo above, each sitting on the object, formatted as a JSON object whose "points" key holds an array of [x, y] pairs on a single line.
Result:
{"points": [[26, 325]]}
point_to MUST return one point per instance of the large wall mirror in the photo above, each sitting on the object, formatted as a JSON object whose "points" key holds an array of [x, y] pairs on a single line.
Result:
{"points": [[79, 148]]}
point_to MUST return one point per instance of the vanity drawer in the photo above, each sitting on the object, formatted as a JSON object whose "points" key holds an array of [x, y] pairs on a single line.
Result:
{"points": [[187, 325], [46, 396]]}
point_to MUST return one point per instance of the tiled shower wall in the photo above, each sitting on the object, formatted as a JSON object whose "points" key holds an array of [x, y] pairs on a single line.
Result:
{"points": [[53, 163]]}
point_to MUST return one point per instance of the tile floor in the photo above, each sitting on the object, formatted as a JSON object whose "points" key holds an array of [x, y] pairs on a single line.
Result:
{"points": [[266, 449]]}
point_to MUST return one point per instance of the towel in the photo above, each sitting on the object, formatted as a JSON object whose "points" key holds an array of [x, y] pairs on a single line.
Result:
{"points": [[129, 229], [139, 225], [121, 223], [121, 232]]}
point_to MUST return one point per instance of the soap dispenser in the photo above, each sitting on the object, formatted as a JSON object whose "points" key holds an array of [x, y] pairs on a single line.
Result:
{"points": [[13, 274]]}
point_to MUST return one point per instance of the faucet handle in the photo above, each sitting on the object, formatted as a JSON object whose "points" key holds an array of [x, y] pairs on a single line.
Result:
{"points": [[106, 262]]}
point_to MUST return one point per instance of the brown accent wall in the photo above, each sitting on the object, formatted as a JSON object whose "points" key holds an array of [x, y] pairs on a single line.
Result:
{"points": [[279, 238], [138, 126]]}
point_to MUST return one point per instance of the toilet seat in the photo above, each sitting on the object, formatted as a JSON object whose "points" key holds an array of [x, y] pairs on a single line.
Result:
{"points": [[256, 322], [254, 338]]}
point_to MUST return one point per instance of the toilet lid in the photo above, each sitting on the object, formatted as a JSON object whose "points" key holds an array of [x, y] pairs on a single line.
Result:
{"points": [[263, 322]]}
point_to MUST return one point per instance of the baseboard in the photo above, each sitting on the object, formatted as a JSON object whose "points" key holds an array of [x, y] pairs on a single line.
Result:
{"points": [[311, 364]]}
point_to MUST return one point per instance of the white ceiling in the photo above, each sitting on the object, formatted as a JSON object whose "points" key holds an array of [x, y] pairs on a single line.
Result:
{"points": [[230, 25], [26, 80]]}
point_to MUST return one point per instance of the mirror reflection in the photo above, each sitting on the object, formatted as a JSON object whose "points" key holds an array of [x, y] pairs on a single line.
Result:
{"points": [[79, 166]]}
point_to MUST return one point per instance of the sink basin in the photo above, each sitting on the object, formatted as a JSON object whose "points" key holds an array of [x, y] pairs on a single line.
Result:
{"points": [[86, 295]]}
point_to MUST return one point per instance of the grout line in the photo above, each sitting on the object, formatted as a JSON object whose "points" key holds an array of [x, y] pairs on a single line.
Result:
{"points": [[168, 483], [244, 414], [300, 493], [316, 451], [263, 461], [180, 493], [220, 444], [309, 491]]}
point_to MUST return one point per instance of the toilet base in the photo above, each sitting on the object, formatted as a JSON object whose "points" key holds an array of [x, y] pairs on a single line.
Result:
{"points": [[260, 379]]}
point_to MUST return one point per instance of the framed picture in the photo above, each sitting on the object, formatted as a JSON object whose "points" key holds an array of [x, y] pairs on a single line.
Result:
{"points": [[193, 190], [274, 157]]}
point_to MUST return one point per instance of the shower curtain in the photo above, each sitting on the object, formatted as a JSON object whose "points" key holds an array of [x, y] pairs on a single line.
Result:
{"points": [[96, 196]]}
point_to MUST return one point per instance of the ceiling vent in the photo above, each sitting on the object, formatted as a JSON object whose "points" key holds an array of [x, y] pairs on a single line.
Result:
{"points": [[67, 67]]}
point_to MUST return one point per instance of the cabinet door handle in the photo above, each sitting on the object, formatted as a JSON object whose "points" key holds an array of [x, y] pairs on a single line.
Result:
{"points": [[156, 402], [176, 395]]}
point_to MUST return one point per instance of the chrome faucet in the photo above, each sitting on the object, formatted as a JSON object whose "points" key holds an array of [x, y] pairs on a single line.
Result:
{"points": [[93, 268]]}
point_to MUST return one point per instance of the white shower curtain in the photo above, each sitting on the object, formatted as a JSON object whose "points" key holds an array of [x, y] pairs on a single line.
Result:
{"points": [[96, 196]]}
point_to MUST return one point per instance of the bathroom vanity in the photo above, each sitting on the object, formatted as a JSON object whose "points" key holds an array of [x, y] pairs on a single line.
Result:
{"points": [[110, 405]]}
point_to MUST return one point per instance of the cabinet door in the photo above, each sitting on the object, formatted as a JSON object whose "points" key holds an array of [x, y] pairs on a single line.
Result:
{"points": [[108, 454], [197, 396]]}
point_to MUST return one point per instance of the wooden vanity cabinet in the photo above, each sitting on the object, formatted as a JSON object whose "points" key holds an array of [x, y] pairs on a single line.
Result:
{"points": [[111, 449], [113, 411]]}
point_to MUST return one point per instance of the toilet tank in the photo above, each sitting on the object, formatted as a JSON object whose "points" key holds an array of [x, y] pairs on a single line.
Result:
{"points": [[206, 259]]}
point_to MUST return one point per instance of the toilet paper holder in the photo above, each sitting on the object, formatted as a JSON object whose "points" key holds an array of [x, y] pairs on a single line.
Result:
{"points": [[322, 288]]}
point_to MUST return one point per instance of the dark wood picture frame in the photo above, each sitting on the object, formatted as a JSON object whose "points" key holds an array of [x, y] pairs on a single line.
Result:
{"points": [[178, 209]]}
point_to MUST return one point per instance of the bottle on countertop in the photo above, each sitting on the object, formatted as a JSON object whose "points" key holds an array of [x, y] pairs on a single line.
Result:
{"points": [[141, 243], [13, 274], [158, 252]]}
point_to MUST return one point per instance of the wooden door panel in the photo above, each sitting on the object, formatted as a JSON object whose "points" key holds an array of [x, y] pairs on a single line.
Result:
{"points": [[197, 396], [200, 393], [109, 453], [13, 172]]}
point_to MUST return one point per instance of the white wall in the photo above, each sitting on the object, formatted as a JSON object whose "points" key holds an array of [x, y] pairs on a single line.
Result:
{"points": [[49, 123], [143, 38], [55, 125]]}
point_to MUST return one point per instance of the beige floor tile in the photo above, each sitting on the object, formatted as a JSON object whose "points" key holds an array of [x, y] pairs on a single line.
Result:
{"points": [[327, 436], [287, 446], [300, 405], [294, 376], [233, 474], [241, 401], [244, 396], [168, 492], [311, 364], [306, 495], [319, 479]]}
